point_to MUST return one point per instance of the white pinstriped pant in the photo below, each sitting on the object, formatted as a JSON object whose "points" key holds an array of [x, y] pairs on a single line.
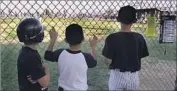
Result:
{"points": [[123, 80]]}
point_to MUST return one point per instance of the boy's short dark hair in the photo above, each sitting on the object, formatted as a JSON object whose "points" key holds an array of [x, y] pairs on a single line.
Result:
{"points": [[74, 34], [127, 15]]}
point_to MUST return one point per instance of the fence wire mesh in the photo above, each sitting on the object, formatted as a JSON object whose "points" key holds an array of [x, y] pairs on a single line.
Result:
{"points": [[96, 17]]}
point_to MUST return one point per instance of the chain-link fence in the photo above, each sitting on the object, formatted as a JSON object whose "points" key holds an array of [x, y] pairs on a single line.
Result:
{"points": [[96, 17]]}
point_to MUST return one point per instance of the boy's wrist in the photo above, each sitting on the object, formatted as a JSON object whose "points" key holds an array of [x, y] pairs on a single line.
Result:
{"points": [[52, 41], [93, 50], [51, 45], [93, 47]]}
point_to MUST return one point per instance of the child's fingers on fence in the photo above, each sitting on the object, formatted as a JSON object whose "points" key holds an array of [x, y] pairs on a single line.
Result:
{"points": [[95, 37], [53, 28]]}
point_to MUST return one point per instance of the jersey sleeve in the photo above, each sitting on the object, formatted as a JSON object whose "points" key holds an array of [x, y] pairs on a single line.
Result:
{"points": [[36, 70], [108, 50], [52, 56], [91, 62], [144, 49]]}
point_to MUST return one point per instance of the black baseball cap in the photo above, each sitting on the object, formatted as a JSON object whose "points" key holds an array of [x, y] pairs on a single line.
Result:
{"points": [[127, 15]]}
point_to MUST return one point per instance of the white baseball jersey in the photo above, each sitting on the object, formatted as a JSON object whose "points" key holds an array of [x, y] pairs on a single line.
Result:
{"points": [[72, 68]]}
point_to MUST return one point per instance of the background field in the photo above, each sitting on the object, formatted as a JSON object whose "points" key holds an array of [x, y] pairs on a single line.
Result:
{"points": [[158, 70]]}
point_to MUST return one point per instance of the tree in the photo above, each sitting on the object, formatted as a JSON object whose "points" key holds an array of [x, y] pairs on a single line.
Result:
{"points": [[2, 13], [38, 14], [108, 13], [64, 13], [10, 12], [16, 14], [46, 12]]}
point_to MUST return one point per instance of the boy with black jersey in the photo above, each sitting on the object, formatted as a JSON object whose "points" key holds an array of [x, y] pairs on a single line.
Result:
{"points": [[32, 74], [123, 51]]}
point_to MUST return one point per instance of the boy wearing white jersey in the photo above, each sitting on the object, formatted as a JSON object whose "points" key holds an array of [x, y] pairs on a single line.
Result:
{"points": [[72, 62]]}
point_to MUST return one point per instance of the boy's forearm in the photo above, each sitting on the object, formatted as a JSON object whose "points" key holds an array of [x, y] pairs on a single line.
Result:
{"points": [[93, 53], [51, 45], [45, 80], [48, 75]]}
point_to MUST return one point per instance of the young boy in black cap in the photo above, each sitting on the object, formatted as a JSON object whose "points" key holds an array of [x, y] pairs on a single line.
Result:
{"points": [[72, 62], [123, 51], [32, 74]]}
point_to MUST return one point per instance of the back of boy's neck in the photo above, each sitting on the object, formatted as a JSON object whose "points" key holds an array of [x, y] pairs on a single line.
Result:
{"points": [[126, 28], [75, 48], [34, 47]]}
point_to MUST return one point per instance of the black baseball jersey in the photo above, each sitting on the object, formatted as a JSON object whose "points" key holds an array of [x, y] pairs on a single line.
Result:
{"points": [[29, 64], [125, 49], [72, 68]]}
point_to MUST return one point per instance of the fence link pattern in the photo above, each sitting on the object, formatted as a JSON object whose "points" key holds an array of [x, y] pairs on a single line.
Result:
{"points": [[96, 17]]}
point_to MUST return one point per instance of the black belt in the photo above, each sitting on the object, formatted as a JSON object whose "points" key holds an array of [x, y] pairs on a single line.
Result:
{"points": [[44, 89], [122, 70]]}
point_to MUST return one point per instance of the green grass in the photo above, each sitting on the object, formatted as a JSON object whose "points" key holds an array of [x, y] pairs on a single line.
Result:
{"points": [[97, 77]]}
